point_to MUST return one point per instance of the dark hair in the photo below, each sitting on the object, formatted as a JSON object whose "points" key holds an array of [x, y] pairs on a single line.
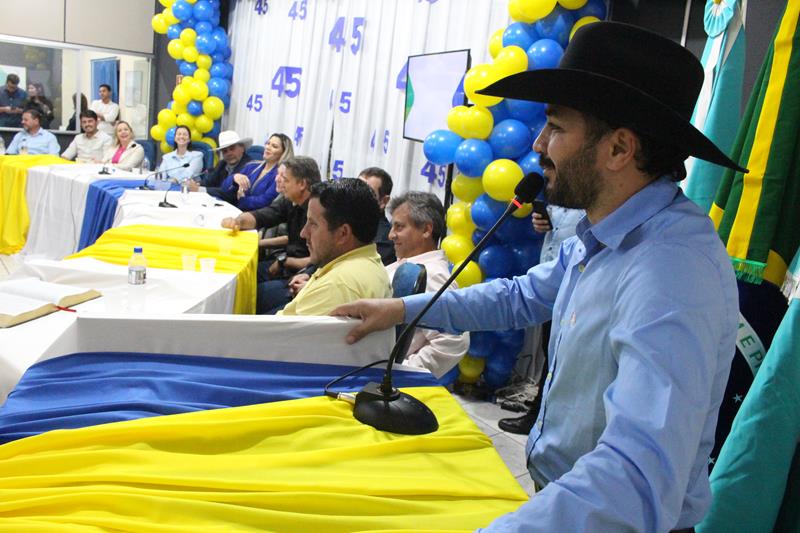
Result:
{"points": [[655, 157], [35, 113], [386, 180], [286, 144], [39, 89], [84, 102], [107, 86], [423, 208], [13, 78], [88, 113], [188, 146], [349, 201], [304, 169]]}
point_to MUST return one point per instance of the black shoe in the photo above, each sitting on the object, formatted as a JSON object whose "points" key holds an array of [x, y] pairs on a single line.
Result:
{"points": [[520, 425]]}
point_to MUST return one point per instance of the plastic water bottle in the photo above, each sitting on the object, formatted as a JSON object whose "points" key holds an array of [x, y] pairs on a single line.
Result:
{"points": [[144, 166], [137, 268]]}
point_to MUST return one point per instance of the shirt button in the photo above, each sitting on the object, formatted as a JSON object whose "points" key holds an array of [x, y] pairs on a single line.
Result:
{"points": [[549, 376], [539, 424], [581, 267]]}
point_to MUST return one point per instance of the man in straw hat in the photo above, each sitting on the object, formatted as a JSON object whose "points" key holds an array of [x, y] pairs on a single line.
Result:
{"points": [[643, 299], [234, 157]]}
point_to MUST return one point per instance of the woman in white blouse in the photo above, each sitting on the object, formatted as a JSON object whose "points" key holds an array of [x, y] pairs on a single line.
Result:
{"points": [[124, 152], [183, 154]]}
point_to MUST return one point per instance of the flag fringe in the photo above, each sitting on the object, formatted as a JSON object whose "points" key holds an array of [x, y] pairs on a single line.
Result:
{"points": [[749, 271]]}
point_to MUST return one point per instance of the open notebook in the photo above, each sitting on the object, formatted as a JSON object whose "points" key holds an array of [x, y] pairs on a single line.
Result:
{"points": [[28, 298]]}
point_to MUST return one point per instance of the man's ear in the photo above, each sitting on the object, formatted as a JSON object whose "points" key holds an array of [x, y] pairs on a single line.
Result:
{"points": [[343, 233], [383, 202], [621, 147]]}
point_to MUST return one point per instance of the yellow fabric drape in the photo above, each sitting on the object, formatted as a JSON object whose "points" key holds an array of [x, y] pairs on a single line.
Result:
{"points": [[301, 465], [163, 247], [14, 219]]}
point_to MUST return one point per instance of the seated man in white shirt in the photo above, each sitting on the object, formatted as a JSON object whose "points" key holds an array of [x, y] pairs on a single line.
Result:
{"points": [[107, 111], [417, 225], [89, 146]]}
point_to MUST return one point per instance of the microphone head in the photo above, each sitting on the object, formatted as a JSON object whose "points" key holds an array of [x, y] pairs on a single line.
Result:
{"points": [[185, 165], [529, 187]]}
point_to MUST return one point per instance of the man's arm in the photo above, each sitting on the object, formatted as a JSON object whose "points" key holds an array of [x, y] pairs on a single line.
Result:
{"points": [[112, 112], [441, 353], [72, 150], [13, 148], [52, 145], [243, 221]]}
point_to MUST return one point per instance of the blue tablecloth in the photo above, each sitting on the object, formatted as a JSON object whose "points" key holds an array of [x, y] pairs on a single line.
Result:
{"points": [[101, 205]]}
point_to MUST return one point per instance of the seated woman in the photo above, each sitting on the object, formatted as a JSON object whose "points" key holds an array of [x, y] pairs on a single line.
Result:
{"points": [[255, 186], [124, 152], [171, 166], [37, 100]]}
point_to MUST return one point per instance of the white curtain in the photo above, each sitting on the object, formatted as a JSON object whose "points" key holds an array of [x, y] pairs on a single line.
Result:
{"points": [[348, 111]]}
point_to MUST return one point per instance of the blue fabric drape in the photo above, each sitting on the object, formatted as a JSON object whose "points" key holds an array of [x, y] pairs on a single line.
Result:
{"points": [[86, 389], [105, 71], [101, 205]]}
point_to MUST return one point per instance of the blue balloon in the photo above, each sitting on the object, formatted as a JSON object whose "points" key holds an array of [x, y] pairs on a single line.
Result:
{"points": [[218, 87], [556, 26], [450, 377], [195, 108], [472, 157], [169, 104], [226, 53], [494, 380], [510, 139], [592, 8], [440, 147], [536, 128], [189, 23], [221, 38], [203, 27], [519, 34], [482, 343], [174, 31], [516, 230], [186, 68], [216, 129], [217, 57], [215, 18], [530, 163], [511, 338], [228, 70], [226, 101], [218, 70], [202, 10], [477, 235], [486, 211], [214, 3], [170, 135], [524, 110], [205, 44], [497, 261], [525, 255], [499, 112], [182, 10], [544, 53]]}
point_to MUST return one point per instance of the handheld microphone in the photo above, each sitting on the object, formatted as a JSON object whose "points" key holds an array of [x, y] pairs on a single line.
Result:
{"points": [[164, 202], [149, 175], [382, 406]]}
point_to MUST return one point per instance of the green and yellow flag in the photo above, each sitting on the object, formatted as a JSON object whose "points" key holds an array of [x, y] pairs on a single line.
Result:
{"points": [[757, 214]]}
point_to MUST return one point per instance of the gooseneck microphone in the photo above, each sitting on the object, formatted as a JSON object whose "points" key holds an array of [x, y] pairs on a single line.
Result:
{"points": [[381, 405], [164, 202], [149, 175]]}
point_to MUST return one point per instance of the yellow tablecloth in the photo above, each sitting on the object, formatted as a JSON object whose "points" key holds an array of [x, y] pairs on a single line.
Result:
{"points": [[163, 247], [294, 466], [14, 219]]}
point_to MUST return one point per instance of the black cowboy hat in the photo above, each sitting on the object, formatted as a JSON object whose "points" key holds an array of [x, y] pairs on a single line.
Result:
{"points": [[629, 77]]}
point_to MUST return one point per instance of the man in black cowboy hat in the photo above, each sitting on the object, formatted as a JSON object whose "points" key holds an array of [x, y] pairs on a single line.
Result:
{"points": [[643, 300]]}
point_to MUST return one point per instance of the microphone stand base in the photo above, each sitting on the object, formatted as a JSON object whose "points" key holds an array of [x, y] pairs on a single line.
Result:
{"points": [[166, 204], [396, 412]]}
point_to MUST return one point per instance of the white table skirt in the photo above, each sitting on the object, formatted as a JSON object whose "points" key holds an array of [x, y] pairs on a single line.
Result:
{"points": [[199, 210]]}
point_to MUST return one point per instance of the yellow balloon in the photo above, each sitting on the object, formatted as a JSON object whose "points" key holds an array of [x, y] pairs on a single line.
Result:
{"points": [[190, 53], [471, 368], [169, 17], [466, 189], [188, 37], [185, 119], [159, 24], [175, 49], [581, 22], [195, 135], [203, 124], [457, 247], [186, 81], [510, 60], [181, 95], [201, 74], [178, 107], [477, 122], [496, 42], [166, 119], [191, 1], [213, 107], [166, 3], [515, 12], [209, 141], [166, 147], [157, 132], [535, 9], [199, 90], [478, 77], [500, 178], [204, 61], [455, 119], [471, 275], [572, 4], [523, 211], [459, 219]]}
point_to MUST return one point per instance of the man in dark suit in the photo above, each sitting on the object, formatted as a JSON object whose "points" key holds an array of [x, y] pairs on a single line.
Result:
{"points": [[234, 156]]}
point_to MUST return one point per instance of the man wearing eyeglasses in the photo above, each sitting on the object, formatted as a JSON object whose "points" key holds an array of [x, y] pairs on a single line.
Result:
{"points": [[234, 156]]}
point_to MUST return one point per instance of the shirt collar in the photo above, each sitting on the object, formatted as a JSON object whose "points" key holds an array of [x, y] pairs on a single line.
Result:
{"points": [[639, 208], [421, 258], [368, 251]]}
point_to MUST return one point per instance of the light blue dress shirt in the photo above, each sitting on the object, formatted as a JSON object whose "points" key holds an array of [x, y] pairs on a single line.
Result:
{"points": [[644, 307], [172, 160], [43, 142]]}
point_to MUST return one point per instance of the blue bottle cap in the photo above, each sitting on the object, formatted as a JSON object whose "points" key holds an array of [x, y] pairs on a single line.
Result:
{"points": [[137, 250]]}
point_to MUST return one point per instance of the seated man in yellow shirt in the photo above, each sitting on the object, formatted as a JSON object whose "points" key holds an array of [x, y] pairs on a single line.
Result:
{"points": [[341, 224]]}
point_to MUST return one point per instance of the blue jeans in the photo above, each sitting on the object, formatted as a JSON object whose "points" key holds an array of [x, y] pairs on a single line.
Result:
{"points": [[272, 296]]}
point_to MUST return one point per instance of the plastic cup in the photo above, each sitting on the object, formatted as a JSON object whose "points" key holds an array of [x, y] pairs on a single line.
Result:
{"points": [[189, 261], [207, 265]]}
